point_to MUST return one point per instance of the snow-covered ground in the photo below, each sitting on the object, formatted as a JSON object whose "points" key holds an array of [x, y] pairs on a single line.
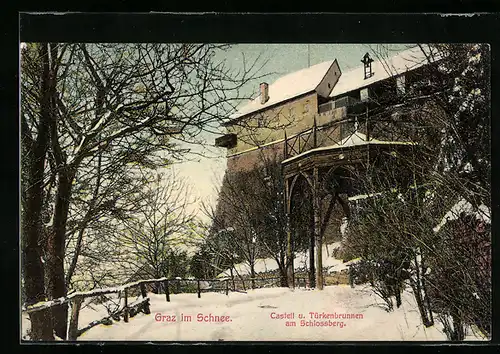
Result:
{"points": [[250, 318]]}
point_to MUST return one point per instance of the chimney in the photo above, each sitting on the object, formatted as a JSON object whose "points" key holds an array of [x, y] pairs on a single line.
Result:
{"points": [[264, 92]]}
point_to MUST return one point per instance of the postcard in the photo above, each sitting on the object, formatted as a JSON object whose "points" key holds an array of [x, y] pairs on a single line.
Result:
{"points": [[208, 192]]}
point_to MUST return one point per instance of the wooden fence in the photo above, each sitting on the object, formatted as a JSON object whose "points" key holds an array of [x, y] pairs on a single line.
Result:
{"points": [[142, 304], [75, 300]]}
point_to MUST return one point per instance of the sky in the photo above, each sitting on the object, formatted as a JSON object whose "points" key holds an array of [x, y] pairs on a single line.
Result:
{"points": [[205, 174]]}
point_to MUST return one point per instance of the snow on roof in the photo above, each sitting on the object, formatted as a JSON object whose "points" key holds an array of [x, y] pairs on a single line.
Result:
{"points": [[288, 86], [364, 196], [382, 69], [355, 139], [483, 213], [308, 79]]}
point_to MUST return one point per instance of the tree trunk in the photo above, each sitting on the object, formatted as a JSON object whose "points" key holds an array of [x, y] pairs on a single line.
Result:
{"points": [[398, 291], [86, 220], [458, 328], [420, 303], [41, 326], [427, 300], [282, 270], [55, 248], [416, 285], [252, 274], [78, 248]]}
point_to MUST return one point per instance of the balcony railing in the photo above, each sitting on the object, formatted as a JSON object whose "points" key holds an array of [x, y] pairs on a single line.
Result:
{"points": [[381, 126]]}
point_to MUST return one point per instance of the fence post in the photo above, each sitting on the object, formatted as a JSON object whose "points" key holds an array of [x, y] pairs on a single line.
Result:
{"points": [[72, 332], [144, 294], [125, 309], [167, 291], [199, 290], [227, 286]]}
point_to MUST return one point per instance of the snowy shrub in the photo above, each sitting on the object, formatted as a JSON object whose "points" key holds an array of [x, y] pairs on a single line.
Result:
{"points": [[462, 273]]}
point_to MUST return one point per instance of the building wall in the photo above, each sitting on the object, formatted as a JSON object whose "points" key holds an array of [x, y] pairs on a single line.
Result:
{"points": [[250, 159], [269, 125], [260, 138], [329, 81], [245, 155]]}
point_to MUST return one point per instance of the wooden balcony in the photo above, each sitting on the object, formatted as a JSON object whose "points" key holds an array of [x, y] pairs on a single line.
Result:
{"points": [[352, 140]]}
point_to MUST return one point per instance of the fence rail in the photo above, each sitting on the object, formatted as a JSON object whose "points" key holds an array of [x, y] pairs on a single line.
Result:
{"points": [[142, 304], [104, 291], [129, 310]]}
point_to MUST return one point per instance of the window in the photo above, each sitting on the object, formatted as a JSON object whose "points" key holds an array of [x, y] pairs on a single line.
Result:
{"points": [[306, 107], [364, 94]]}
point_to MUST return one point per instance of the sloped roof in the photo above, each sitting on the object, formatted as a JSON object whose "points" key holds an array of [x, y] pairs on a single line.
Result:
{"points": [[382, 69], [288, 86], [307, 80]]}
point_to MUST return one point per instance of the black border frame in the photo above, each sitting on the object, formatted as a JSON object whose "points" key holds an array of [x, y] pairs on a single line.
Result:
{"points": [[253, 28]]}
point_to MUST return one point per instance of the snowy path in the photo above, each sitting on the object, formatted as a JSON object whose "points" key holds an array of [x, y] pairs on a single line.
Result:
{"points": [[250, 318]]}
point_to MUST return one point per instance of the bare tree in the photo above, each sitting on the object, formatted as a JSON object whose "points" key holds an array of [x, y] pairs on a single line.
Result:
{"points": [[236, 231], [132, 98], [107, 191], [250, 205], [443, 174], [38, 69], [149, 235]]}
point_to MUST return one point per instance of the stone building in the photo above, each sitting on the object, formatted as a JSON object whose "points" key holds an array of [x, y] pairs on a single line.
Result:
{"points": [[319, 122]]}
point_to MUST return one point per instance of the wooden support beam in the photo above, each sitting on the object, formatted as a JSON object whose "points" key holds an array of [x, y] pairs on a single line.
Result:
{"points": [[312, 267], [167, 291], [328, 215], [125, 308], [317, 231], [144, 294], [289, 251]]}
